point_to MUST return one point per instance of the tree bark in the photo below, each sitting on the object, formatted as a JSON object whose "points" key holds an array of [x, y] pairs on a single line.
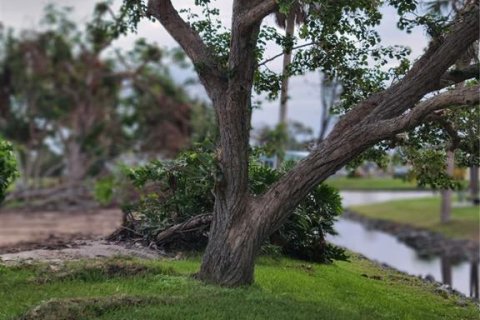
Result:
{"points": [[75, 162], [327, 102], [194, 224], [474, 189], [234, 239], [232, 248], [446, 205], [287, 59]]}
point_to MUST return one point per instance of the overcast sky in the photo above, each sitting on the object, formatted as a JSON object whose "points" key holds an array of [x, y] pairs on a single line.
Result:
{"points": [[304, 103]]}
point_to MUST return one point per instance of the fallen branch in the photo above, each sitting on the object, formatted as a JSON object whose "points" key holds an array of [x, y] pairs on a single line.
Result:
{"points": [[195, 224]]}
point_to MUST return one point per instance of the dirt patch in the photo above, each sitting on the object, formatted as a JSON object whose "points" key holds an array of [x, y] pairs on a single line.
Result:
{"points": [[98, 270], [22, 230], [80, 250], [86, 308], [307, 268], [53, 242]]}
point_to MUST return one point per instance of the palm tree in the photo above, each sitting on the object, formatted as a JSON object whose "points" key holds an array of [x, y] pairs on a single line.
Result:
{"points": [[330, 94], [295, 16]]}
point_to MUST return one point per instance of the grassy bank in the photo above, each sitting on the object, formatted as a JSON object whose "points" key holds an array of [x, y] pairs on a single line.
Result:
{"points": [[425, 213], [387, 183], [284, 289]]}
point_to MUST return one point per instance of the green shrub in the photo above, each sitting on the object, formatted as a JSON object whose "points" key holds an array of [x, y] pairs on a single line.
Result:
{"points": [[175, 190], [8, 167], [303, 234], [104, 189]]}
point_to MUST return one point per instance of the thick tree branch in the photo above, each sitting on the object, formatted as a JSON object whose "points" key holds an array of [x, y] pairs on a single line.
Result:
{"points": [[458, 75], [424, 77], [426, 73], [194, 224], [357, 130], [233, 108], [464, 96], [191, 42], [255, 13]]}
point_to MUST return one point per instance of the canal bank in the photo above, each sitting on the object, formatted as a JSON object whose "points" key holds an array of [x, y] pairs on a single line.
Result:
{"points": [[416, 252]]}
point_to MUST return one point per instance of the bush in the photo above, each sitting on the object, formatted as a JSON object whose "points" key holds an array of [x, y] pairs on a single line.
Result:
{"points": [[8, 167], [176, 190], [303, 234], [103, 190]]}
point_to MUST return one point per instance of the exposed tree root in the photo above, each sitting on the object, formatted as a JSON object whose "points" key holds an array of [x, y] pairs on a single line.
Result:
{"points": [[190, 234]]}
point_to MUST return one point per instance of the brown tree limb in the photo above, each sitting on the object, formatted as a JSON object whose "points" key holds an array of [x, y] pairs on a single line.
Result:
{"points": [[357, 130], [194, 224], [456, 76], [427, 72], [462, 96], [191, 42], [255, 14]]}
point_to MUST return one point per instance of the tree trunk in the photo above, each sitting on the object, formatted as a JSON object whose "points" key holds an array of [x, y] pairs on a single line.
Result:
{"points": [[234, 236], [75, 162], [232, 247], [474, 189], [327, 102], [446, 206], [287, 59]]}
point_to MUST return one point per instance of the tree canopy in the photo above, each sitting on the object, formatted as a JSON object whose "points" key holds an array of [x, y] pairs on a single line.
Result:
{"points": [[71, 103], [342, 42]]}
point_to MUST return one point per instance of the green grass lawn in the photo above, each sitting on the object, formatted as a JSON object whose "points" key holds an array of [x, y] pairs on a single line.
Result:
{"points": [[284, 289], [425, 213], [387, 183]]}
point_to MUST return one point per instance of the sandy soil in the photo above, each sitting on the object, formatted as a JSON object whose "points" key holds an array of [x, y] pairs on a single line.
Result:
{"points": [[59, 236], [79, 249], [20, 228]]}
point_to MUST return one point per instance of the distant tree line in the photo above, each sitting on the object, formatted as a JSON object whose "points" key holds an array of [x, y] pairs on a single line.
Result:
{"points": [[71, 103]]}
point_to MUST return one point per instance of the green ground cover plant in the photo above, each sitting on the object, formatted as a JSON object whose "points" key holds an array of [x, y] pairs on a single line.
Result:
{"points": [[165, 289], [374, 183], [424, 213]]}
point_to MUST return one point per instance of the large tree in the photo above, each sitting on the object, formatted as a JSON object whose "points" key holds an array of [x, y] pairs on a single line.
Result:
{"points": [[68, 103], [242, 222]]}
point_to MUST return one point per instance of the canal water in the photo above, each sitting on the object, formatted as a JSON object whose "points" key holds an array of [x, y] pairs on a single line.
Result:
{"points": [[385, 248]]}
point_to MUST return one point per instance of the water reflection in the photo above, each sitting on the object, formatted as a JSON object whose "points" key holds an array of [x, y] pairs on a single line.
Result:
{"points": [[384, 248], [446, 267], [474, 281]]}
